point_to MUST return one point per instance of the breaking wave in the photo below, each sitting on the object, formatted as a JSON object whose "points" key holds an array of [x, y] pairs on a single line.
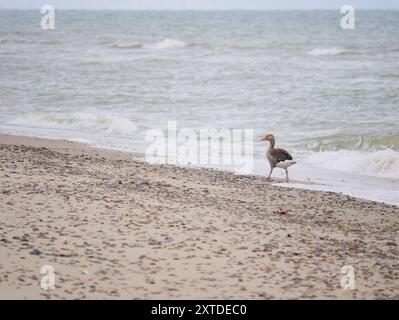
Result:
{"points": [[127, 45], [326, 51], [168, 44], [360, 143], [82, 121], [381, 163], [164, 44]]}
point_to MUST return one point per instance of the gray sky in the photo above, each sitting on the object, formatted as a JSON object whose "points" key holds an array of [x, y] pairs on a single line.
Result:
{"points": [[200, 4]]}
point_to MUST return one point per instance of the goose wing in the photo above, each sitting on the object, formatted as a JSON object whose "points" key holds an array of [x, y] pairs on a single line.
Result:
{"points": [[280, 155]]}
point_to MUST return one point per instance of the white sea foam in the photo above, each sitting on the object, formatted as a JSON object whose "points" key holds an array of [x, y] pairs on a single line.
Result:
{"points": [[168, 44], [164, 44], [127, 45], [83, 121], [121, 126], [326, 51], [381, 163]]}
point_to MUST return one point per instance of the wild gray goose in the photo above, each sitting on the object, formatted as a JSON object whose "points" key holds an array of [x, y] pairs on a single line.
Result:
{"points": [[279, 158]]}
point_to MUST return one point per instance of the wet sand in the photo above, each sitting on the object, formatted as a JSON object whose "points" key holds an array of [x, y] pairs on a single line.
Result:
{"points": [[114, 227]]}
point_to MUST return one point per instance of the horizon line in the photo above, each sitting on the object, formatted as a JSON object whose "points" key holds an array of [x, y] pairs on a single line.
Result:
{"points": [[193, 9]]}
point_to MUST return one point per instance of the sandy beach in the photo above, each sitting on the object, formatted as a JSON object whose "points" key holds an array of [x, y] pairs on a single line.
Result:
{"points": [[118, 228]]}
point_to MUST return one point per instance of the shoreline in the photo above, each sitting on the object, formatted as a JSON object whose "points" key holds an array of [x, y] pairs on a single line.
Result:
{"points": [[115, 227], [304, 175]]}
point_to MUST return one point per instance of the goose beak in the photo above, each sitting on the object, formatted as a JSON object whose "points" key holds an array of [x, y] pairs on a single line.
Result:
{"points": [[263, 138]]}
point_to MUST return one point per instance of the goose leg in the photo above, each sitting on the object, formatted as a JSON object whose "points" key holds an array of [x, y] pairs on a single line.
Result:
{"points": [[286, 175], [270, 174]]}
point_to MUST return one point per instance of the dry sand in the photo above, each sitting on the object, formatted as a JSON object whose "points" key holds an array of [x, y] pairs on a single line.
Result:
{"points": [[114, 227]]}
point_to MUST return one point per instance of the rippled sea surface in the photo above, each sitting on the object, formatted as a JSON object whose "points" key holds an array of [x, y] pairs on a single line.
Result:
{"points": [[330, 96]]}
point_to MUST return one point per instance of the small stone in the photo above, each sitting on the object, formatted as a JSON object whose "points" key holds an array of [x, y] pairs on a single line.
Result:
{"points": [[153, 242], [35, 252], [25, 238]]}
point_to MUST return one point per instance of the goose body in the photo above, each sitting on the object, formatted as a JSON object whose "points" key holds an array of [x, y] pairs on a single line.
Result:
{"points": [[277, 157]]}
